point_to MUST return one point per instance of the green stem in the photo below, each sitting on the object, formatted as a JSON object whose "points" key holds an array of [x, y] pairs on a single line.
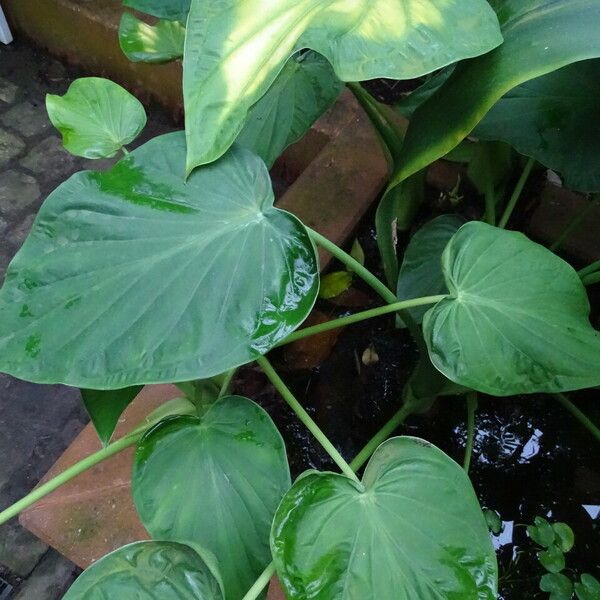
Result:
{"points": [[261, 583], [471, 408], [591, 278], [575, 223], [177, 406], [583, 419], [490, 203], [227, 382], [383, 434], [305, 417], [360, 316], [595, 266], [510, 207], [125, 151]]}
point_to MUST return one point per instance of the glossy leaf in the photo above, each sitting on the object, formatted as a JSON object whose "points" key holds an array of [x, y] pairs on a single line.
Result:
{"points": [[421, 271], [565, 538], [395, 214], [412, 529], [516, 320], [217, 481], [234, 51], [588, 588], [541, 532], [174, 10], [555, 120], [302, 92], [158, 43], [552, 559], [135, 276], [493, 520], [540, 36], [105, 408], [150, 571], [96, 117], [559, 586]]}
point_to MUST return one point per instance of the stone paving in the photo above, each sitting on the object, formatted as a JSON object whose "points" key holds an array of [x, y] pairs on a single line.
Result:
{"points": [[36, 422]]}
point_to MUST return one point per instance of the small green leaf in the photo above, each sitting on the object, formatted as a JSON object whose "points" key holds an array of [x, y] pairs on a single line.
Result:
{"points": [[559, 586], [516, 320], [555, 120], [541, 532], [105, 408], [303, 91], [174, 10], [493, 520], [96, 117], [588, 588], [150, 570], [421, 270], [234, 51], [217, 481], [395, 214], [357, 252], [552, 559], [157, 43], [565, 538], [160, 279], [412, 529], [333, 284]]}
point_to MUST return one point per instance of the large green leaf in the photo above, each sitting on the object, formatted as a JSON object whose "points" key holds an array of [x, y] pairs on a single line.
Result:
{"points": [[175, 10], [135, 276], [96, 117], [516, 320], [302, 92], [105, 408], [234, 50], [421, 270], [216, 481], [150, 571], [555, 119], [540, 36], [157, 43], [412, 530]]}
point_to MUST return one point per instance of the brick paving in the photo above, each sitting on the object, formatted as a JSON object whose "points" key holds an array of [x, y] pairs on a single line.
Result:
{"points": [[36, 422]]}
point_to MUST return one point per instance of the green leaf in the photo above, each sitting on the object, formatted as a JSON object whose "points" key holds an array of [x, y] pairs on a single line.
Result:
{"points": [[540, 36], [421, 270], [357, 252], [490, 165], [412, 529], [555, 120], [217, 481], [565, 538], [409, 104], [588, 588], [234, 51], [174, 10], [516, 320], [493, 520], [552, 559], [152, 571], [333, 284], [96, 117], [105, 408], [158, 43], [395, 213], [541, 532], [302, 92], [159, 279], [558, 585]]}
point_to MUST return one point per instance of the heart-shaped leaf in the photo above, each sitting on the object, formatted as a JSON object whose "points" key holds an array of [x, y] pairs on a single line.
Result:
{"points": [[302, 92], [565, 538], [96, 117], [559, 586], [421, 270], [105, 408], [136, 276], [541, 532], [216, 481], [152, 571], [588, 588], [540, 36], [234, 50], [552, 559], [516, 320], [413, 529], [174, 10], [158, 43], [554, 119]]}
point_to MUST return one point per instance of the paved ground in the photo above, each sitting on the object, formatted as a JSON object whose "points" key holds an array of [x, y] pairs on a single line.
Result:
{"points": [[36, 422]]}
